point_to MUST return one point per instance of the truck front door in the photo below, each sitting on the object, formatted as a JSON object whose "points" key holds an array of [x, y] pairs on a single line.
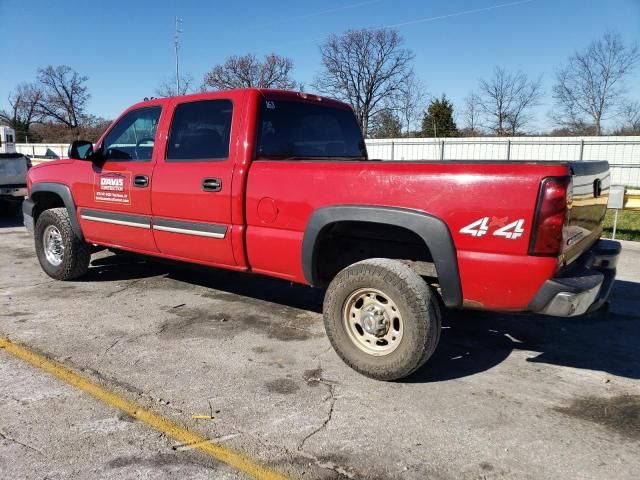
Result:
{"points": [[114, 194], [191, 193]]}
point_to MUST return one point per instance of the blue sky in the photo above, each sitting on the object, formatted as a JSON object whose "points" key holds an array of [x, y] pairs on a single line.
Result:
{"points": [[126, 47]]}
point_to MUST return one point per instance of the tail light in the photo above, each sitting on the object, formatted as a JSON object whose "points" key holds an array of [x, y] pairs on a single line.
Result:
{"points": [[551, 215]]}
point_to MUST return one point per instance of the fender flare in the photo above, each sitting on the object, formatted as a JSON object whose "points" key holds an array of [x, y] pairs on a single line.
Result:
{"points": [[433, 231], [64, 192]]}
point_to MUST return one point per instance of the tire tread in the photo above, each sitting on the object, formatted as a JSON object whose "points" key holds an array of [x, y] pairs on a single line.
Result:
{"points": [[77, 252], [422, 304]]}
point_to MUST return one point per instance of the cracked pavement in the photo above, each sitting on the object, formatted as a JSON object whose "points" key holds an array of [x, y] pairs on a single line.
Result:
{"points": [[505, 396]]}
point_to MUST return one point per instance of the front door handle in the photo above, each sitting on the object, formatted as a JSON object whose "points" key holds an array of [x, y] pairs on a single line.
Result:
{"points": [[211, 184], [141, 181]]}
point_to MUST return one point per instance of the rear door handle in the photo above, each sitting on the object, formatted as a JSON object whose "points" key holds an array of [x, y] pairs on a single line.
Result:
{"points": [[141, 181], [211, 184]]}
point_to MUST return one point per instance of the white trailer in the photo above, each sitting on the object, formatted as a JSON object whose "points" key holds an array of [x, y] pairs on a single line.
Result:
{"points": [[7, 140]]}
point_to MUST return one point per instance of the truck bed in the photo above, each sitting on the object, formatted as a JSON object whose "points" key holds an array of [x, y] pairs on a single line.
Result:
{"points": [[458, 192]]}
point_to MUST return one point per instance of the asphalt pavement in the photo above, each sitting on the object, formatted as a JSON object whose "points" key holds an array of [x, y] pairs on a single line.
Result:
{"points": [[505, 395]]}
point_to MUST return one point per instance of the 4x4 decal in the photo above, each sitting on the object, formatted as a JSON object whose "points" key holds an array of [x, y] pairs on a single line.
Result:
{"points": [[482, 226]]}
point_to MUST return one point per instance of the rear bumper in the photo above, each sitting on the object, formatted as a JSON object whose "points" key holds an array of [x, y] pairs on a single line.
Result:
{"points": [[583, 287], [16, 191], [27, 214]]}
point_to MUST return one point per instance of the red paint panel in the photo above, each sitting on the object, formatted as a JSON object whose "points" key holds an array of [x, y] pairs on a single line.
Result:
{"points": [[503, 282], [117, 235], [276, 252], [205, 249]]}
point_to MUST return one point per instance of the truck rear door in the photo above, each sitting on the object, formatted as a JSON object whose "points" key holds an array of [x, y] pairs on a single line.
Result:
{"points": [[191, 192]]}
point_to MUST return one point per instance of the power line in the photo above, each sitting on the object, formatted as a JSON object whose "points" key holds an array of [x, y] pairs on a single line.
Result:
{"points": [[412, 22], [314, 14], [458, 14]]}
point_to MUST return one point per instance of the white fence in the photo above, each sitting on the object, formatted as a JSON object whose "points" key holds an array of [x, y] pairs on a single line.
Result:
{"points": [[43, 150], [622, 153]]}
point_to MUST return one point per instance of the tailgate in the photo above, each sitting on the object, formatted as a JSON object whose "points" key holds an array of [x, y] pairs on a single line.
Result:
{"points": [[13, 169], [590, 194]]}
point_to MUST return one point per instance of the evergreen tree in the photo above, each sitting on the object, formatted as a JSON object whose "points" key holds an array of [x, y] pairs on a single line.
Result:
{"points": [[438, 120]]}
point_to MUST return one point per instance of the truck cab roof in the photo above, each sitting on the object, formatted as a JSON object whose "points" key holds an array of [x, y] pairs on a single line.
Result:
{"points": [[268, 93]]}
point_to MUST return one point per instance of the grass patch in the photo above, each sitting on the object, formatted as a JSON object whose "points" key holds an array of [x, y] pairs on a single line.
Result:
{"points": [[628, 225]]}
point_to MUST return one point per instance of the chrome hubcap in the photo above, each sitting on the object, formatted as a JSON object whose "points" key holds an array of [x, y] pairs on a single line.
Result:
{"points": [[373, 321], [53, 245]]}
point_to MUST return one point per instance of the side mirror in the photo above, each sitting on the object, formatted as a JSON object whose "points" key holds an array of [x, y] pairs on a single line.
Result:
{"points": [[81, 150]]}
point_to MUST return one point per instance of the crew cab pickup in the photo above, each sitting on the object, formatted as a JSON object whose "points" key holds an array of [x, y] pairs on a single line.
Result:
{"points": [[279, 183]]}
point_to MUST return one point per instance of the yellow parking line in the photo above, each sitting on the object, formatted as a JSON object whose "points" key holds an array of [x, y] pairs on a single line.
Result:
{"points": [[167, 427]]}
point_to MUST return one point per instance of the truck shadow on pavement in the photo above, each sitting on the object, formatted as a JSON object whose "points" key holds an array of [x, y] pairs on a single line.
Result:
{"points": [[471, 342], [131, 267], [606, 341]]}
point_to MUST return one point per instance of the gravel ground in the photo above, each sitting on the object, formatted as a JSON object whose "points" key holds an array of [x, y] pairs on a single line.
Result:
{"points": [[505, 396]]}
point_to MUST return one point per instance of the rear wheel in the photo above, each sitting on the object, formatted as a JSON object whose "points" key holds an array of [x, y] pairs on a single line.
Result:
{"points": [[62, 254], [382, 318]]}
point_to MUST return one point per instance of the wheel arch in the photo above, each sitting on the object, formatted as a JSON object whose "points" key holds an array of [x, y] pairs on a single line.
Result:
{"points": [[432, 230], [45, 191]]}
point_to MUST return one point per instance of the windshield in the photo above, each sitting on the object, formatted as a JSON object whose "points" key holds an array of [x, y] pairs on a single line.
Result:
{"points": [[290, 129]]}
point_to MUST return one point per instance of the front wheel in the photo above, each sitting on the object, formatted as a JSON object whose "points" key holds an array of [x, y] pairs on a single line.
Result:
{"points": [[382, 318], [62, 254]]}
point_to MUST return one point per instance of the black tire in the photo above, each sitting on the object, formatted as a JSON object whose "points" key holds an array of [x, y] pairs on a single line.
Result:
{"points": [[76, 254], [4, 208], [417, 305], [14, 208]]}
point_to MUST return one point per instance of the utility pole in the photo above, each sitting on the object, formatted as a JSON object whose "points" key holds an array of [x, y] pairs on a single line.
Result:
{"points": [[176, 43]]}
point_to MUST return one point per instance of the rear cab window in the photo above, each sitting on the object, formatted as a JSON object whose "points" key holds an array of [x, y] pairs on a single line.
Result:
{"points": [[200, 131], [290, 129]]}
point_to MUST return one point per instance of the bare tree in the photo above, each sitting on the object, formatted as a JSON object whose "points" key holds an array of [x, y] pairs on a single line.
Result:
{"points": [[248, 71], [590, 87], [411, 102], [366, 68], [55, 132], [386, 124], [64, 95], [471, 113], [168, 87], [506, 100], [630, 124], [22, 112]]}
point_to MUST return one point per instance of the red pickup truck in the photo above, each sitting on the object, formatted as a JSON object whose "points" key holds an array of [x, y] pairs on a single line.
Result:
{"points": [[279, 183]]}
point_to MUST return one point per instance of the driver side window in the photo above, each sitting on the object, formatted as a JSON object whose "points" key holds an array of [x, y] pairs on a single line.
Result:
{"points": [[133, 137]]}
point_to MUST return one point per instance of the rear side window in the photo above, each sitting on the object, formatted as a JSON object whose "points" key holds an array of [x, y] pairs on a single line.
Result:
{"points": [[200, 131], [290, 129]]}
